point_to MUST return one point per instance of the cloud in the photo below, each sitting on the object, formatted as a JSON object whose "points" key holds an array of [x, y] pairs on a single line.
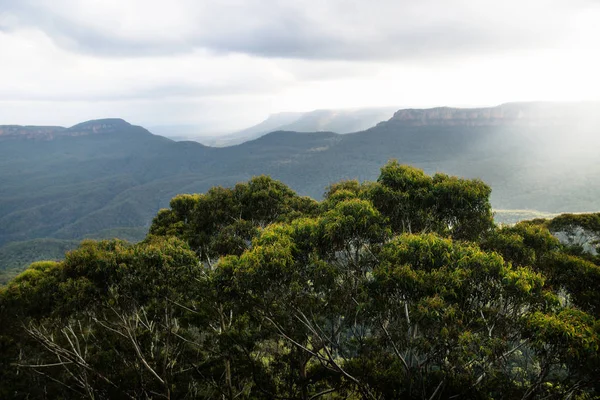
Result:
{"points": [[303, 29], [227, 64], [40, 71]]}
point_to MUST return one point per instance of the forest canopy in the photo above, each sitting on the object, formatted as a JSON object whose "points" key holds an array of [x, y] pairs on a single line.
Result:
{"points": [[399, 288]]}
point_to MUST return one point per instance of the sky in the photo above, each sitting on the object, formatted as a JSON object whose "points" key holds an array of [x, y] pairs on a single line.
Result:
{"points": [[225, 65]]}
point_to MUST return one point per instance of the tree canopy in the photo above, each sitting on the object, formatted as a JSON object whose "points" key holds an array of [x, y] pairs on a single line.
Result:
{"points": [[399, 288]]}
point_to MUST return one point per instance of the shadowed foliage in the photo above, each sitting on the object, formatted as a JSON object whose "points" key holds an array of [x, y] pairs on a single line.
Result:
{"points": [[399, 288]]}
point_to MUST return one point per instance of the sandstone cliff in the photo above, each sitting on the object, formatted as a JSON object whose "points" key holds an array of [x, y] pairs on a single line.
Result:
{"points": [[518, 114], [99, 126]]}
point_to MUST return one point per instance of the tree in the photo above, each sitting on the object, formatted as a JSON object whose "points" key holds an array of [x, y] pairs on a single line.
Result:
{"points": [[400, 288], [415, 202], [224, 221]]}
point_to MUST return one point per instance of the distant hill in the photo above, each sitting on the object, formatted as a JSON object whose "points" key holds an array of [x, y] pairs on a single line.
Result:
{"points": [[104, 126], [338, 121], [109, 178], [274, 123]]}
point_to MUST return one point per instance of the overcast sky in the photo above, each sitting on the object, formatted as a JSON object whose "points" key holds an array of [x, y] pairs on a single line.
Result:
{"points": [[228, 64]]}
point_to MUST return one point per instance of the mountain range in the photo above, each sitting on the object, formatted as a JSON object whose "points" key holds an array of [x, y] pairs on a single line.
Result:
{"points": [[338, 121], [108, 178]]}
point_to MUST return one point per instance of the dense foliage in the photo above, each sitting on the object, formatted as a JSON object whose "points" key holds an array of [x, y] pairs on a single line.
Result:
{"points": [[94, 182], [400, 288], [15, 255]]}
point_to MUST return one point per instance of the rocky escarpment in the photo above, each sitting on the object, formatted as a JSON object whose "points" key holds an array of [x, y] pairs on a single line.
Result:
{"points": [[108, 125], [30, 132], [509, 114], [99, 126]]}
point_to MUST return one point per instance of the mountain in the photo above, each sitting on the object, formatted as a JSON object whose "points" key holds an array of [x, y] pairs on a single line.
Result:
{"points": [[339, 121], [29, 132], [509, 114], [274, 123], [109, 125], [108, 178]]}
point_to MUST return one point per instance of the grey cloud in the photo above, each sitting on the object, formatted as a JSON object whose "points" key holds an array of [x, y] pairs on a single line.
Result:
{"points": [[77, 36], [371, 30]]}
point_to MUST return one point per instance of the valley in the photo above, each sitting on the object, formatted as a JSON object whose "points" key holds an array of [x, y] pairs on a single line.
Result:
{"points": [[108, 178]]}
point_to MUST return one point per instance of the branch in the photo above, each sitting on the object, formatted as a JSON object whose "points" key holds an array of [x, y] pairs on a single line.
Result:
{"points": [[59, 382], [52, 347], [292, 340], [42, 365], [437, 390], [140, 355], [330, 356], [395, 348], [324, 392], [105, 326]]}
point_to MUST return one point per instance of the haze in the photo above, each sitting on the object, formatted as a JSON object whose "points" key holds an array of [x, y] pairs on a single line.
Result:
{"points": [[226, 65]]}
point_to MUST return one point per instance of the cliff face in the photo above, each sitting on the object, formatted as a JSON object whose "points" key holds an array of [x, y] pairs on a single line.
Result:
{"points": [[108, 125], [509, 114], [52, 132], [30, 132]]}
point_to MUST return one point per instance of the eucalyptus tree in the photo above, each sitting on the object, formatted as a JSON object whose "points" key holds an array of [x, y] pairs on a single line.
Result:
{"points": [[400, 288]]}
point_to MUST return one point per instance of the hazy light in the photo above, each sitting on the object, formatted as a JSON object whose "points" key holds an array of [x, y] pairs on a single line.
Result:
{"points": [[188, 63]]}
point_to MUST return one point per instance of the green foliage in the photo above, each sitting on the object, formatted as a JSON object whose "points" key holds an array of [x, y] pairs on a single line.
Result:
{"points": [[532, 244], [400, 288], [18, 255], [590, 222], [522, 244], [415, 202], [224, 221], [89, 185], [579, 278]]}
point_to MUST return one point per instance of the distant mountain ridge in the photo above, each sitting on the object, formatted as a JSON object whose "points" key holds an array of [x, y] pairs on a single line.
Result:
{"points": [[339, 121], [30, 132], [508, 114], [107, 178], [100, 126], [346, 121]]}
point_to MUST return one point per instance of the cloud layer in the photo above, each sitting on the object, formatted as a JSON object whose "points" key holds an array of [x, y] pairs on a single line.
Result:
{"points": [[305, 29], [257, 56]]}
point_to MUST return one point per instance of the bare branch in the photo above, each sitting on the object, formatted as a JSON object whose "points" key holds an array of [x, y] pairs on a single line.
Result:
{"points": [[324, 392], [42, 365], [437, 390], [396, 351]]}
